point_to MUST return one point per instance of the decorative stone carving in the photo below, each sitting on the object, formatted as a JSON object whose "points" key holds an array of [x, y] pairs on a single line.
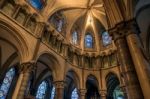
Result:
{"points": [[27, 67], [59, 84], [103, 93], [82, 92]]}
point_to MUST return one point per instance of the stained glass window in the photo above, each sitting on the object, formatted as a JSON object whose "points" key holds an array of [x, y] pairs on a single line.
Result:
{"points": [[4, 88], [58, 21], [59, 25], [74, 37], [41, 92], [118, 94], [88, 41], [74, 94], [106, 39], [53, 93], [38, 4]]}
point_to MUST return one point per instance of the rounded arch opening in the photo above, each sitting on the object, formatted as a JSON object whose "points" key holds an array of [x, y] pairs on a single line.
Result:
{"points": [[72, 85], [113, 87], [15, 39], [92, 87]]}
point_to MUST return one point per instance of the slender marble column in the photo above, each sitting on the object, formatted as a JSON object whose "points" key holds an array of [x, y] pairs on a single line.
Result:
{"points": [[141, 65], [59, 87], [82, 93], [133, 88]]}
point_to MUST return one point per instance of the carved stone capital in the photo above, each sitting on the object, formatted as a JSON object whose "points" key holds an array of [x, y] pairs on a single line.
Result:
{"points": [[124, 28], [59, 84], [82, 92], [27, 67], [116, 33], [132, 27], [103, 93]]}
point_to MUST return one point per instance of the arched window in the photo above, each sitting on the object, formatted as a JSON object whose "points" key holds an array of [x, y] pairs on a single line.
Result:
{"points": [[74, 37], [58, 21], [106, 39], [118, 94], [60, 25], [41, 92], [88, 41], [5, 86], [74, 94], [53, 93], [38, 4]]}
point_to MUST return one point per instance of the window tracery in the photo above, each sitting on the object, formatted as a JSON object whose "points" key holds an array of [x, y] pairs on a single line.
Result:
{"points": [[118, 94], [53, 93], [58, 21], [41, 92], [74, 94], [88, 41], [75, 38], [106, 38], [5, 86]]}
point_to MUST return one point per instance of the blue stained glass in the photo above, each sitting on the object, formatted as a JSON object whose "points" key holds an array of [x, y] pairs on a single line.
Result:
{"points": [[118, 94], [74, 94], [106, 39], [60, 25], [74, 37], [88, 41], [4, 88], [41, 92], [53, 93], [38, 4]]}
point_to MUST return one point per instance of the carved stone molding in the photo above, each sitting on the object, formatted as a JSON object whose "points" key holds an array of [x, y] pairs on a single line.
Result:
{"points": [[59, 84], [27, 67], [82, 92], [103, 93], [124, 28]]}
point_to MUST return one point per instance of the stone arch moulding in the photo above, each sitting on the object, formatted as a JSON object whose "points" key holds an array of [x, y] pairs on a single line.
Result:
{"points": [[95, 80], [111, 73], [18, 41], [76, 77], [55, 64]]}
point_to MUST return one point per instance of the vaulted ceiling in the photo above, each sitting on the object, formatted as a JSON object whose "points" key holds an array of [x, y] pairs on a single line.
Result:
{"points": [[84, 13]]}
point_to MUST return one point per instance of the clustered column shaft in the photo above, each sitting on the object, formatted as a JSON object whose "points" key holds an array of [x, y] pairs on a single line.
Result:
{"points": [[23, 81], [127, 68]]}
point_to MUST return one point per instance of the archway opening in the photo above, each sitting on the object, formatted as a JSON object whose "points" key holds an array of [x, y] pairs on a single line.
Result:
{"points": [[71, 88], [92, 88], [113, 89]]}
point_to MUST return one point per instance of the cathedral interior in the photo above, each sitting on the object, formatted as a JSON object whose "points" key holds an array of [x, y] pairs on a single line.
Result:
{"points": [[74, 49]]}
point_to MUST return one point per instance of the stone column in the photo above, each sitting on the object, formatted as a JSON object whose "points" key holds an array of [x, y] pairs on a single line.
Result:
{"points": [[27, 19], [103, 94], [141, 65], [65, 50], [39, 29], [82, 93], [17, 8], [24, 78], [59, 89], [127, 67]]}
